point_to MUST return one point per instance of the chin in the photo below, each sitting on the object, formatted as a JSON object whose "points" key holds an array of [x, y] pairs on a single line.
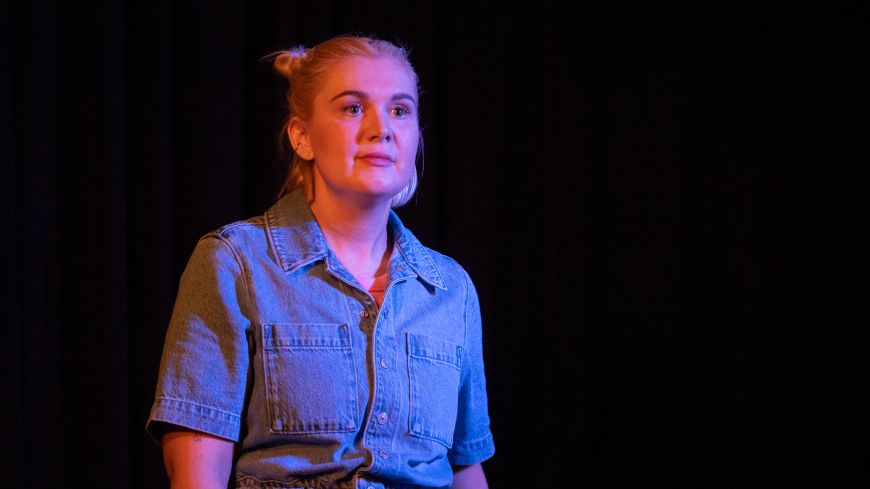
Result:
{"points": [[384, 189]]}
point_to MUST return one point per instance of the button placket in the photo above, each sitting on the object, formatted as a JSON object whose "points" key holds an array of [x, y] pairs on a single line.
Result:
{"points": [[381, 428]]}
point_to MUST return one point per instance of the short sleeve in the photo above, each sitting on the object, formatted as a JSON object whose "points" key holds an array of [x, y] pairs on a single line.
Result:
{"points": [[203, 373], [472, 439]]}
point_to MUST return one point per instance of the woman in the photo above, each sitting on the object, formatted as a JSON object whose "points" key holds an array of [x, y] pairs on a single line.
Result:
{"points": [[321, 345]]}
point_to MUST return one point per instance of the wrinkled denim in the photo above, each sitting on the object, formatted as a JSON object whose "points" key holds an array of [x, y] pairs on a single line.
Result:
{"points": [[273, 344]]}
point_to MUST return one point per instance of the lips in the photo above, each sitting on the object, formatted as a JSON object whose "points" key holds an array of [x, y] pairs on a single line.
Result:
{"points": [[376, 157]]}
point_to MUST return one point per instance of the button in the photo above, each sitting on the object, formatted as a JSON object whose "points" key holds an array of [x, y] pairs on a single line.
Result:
{"points": [[364, 314], [400, 268], [383, 417], [383, 453], [384, 363]]}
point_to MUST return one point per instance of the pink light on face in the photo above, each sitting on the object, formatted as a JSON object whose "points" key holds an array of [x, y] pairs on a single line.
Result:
{"points": [[364, 130], [377, 158]]}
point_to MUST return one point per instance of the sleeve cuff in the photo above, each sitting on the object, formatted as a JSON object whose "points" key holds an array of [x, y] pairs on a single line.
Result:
{"points": [[472, 452], [193, 416]]}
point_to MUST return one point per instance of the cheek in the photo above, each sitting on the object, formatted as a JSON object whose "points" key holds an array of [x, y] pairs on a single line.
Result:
{"points": [[411, 138], [331, 139]]}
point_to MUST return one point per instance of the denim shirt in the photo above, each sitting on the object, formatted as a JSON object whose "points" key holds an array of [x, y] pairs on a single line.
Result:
{"points": [[273, 344]]}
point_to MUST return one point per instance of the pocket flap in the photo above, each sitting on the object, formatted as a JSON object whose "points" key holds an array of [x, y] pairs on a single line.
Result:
{"points": [[436, 349], [330, 336]]}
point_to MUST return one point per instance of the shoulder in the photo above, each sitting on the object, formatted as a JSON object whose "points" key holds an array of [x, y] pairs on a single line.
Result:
{"points": [[241, 229], [229, 246], [236, 236]]}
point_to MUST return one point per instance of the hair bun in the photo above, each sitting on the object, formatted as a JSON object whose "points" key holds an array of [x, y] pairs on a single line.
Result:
{"points": [[287, 63]]}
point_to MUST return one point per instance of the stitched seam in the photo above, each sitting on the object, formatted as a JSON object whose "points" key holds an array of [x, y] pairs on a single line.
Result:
{"points": [[250, 298], [206, 406], [474, 444], [434, 268], [465, 313], [223, 229], [269, 219], [283, 483], [425, 252]]}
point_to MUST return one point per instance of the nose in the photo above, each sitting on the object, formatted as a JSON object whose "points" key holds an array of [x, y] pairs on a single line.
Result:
{"points": [[378, 127]]}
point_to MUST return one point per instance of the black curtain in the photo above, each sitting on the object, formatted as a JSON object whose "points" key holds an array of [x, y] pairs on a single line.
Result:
{"points": [[663, 208]]}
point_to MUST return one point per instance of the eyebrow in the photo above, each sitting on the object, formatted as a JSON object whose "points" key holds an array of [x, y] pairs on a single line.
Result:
{"points": [[363, 95]]}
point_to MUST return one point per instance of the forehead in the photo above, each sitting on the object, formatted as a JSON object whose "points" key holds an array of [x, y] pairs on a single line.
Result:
{"points": [[378, 77]]}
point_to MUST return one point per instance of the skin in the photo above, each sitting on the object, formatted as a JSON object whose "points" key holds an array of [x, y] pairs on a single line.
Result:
{"points": [[197, 460], [469, 477], [366, 105]]}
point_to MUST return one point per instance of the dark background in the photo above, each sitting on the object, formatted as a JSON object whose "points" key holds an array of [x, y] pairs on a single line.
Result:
{"points": [[662, 208]]}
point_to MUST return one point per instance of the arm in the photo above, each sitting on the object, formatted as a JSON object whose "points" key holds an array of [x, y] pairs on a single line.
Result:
{"points": [[196, 460], [204, 370], [469, 477], [472, 439]]}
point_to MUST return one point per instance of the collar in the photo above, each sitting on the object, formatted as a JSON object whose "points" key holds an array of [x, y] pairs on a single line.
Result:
{"points": [[297, 239]]}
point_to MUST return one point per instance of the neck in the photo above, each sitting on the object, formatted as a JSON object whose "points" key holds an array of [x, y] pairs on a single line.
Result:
{"points": [[357, 234]]}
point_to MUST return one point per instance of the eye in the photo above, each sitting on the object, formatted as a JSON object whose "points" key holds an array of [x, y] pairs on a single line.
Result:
{"points": [[401, 111], [352, 109]]}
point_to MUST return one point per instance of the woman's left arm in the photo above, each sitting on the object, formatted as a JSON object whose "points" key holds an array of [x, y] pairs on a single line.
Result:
{"points": [[469, 477]]}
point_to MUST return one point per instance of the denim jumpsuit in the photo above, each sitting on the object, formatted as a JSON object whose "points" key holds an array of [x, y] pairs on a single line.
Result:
{"points": [[274, 345]]}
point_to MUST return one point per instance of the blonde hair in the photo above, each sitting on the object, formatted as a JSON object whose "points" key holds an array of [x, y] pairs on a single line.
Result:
{"points": [[305, 69]]}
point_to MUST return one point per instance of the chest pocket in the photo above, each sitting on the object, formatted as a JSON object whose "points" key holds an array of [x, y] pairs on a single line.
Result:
{"points": [[309, 378], [435, 367]]}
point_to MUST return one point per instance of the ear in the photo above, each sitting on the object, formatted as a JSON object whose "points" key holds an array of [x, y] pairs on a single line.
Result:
{"points": [[297, 131]]}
